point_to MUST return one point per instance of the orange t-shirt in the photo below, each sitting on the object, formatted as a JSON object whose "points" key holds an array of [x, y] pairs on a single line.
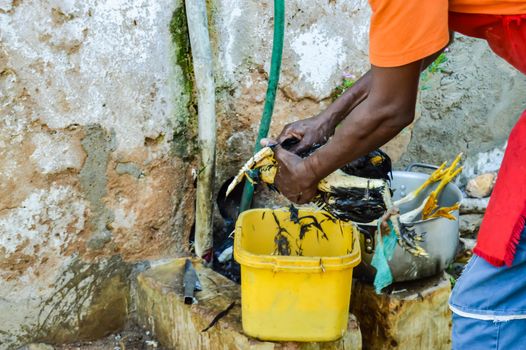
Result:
{"points": [[404, 31]]}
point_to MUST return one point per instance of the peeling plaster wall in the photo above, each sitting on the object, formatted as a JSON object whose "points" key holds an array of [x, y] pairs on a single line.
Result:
{"points": [[93, 112]]}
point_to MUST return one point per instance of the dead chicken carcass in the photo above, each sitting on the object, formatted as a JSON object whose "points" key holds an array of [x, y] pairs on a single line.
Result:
{"points": [[361, 199]]}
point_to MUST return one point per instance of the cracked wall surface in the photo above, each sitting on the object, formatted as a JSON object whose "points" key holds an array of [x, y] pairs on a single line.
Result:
{"points": [[94, 106]]}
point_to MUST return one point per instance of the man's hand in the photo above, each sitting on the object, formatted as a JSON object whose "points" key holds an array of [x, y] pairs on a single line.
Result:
{"points": [[294, 179], [308, 132], [318, 129]]}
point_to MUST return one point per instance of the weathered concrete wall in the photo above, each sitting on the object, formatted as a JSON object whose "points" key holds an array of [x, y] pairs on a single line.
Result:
{"points": [[96, 149], [469, 105]]}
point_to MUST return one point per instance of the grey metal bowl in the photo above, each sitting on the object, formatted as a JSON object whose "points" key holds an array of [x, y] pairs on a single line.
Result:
{"points": [[441, 235]]}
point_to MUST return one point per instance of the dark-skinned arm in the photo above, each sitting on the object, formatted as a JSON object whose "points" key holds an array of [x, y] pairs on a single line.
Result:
{"points": [[318, 129], [387, 109]]}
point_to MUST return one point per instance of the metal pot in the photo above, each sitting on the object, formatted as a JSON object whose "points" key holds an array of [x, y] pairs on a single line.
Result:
{"points": [[441, 235]]}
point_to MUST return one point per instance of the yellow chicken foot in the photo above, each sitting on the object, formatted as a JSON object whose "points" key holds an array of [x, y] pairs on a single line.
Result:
{"points": [[445, 212], [434, 177], [431, 203]]}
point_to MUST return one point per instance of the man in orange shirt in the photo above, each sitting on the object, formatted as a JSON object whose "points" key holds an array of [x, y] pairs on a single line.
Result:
{"points": [[405, 37]]}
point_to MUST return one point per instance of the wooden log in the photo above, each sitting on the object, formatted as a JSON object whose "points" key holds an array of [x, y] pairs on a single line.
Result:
{"points": [[412, 315]]}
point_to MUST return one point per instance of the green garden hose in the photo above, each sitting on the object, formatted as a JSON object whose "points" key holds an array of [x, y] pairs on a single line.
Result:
{"points": [[275, 67]]}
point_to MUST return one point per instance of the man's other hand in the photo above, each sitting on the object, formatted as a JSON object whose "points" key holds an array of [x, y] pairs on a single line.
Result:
{"points": [[308, 132]]}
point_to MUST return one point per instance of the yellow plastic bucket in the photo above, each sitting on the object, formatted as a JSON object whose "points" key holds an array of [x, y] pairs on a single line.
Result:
{"points": [[303, 296]]}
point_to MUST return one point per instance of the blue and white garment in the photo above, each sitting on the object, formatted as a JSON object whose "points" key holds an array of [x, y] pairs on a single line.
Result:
{"points": [[489, 304]]}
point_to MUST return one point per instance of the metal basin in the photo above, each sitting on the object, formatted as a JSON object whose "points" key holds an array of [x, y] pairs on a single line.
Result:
{"points": [[441, 235]]}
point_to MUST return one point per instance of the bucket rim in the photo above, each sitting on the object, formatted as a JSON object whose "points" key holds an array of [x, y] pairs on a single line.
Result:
{"points": [[295, 263]]}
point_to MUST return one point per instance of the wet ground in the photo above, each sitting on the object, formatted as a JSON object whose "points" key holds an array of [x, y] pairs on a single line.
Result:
{"points": [[132, 338]]}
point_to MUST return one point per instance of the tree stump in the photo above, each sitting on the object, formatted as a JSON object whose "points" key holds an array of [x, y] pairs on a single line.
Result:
{"points": [[410, 315]]}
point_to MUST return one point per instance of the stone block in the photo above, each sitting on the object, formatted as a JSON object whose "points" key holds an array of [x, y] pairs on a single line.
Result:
{"points": [[161, 308], [474, 205], [411, 316], [470, 224], [481, 186]]}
